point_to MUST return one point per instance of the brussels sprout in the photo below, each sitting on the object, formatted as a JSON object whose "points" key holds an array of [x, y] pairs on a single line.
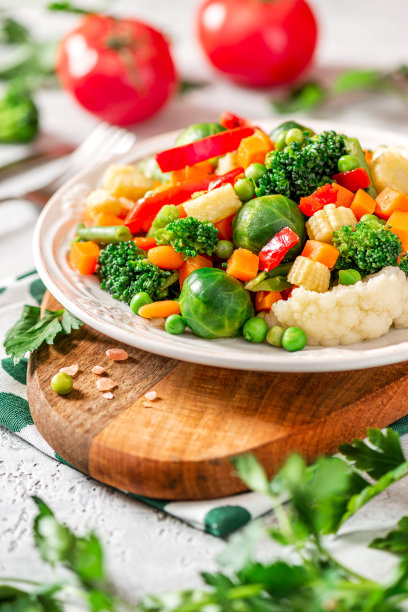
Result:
{"points": [[260, 219], [285, 127], [197, 131], [214, 304]]}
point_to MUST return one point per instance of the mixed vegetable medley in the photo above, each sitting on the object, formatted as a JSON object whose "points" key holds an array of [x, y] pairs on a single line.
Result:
{"points": [[290, 237]]}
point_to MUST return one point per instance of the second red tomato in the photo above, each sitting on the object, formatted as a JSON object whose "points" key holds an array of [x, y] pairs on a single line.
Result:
{"points": [[258, 42]]}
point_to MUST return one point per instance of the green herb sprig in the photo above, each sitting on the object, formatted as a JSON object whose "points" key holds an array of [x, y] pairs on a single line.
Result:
{"points": [[307, 578], [31, 331]]}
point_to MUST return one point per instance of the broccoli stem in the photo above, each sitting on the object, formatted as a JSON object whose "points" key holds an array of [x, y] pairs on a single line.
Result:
{"points": [[104, 235]]}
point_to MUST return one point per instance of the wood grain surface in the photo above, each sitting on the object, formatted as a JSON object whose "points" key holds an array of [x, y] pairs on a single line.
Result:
{"points": [[179, 446]]}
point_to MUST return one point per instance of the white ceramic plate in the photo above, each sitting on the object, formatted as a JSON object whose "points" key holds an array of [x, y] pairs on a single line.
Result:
{"points": [[82, 295]]}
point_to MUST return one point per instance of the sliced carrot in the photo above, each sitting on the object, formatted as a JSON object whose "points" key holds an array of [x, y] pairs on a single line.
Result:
{"points": [[325, 254], [254, 148], [398, 223], [182, 212], [390, 200], [199, 170], [243, 264], [191, 264], [84, 256], [265, 299], [344, 196], [165, 257], [224, 228], [362, 204], [145, 242], [107, 219], [368, 156], [158, 310]]}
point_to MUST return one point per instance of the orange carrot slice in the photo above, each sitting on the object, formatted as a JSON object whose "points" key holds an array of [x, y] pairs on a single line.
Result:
{"points": [[390, 200], [243, 264], [398, 223], [84, 256], [254, 149], [362, 204], [265, 299], [159, 309], [191, 264], [325, 254], [165, 257]]}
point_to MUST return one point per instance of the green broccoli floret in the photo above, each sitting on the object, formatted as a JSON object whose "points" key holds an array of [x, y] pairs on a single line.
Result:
{"points": [[189, 236], [299, 169], [18, 116], [403, 264], [124, 270], [367, 249]]}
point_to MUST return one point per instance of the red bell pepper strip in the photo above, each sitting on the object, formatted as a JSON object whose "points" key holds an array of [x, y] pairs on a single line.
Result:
{"points": [[144, 211], [353, 179], [272, 253], [200, 150], [231, 120], [324, 195], [229, 177]]}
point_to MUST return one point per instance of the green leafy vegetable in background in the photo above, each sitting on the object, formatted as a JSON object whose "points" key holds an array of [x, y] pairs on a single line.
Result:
{"points": [[31, 330], [18, 115], [306, 96], [308, 579]]}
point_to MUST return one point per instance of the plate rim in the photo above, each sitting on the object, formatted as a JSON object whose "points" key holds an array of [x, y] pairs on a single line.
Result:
{"points": [[296, 362]]}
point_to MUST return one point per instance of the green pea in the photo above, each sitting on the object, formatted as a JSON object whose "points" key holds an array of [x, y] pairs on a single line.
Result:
{"points": [[274, 335], [175, 324], [280, 142], [294, 135], [255, 171], [294, 339], [349, 277], [62, 383], [255, 330], [245, 189], [347, 163], [224, 249], [138, 300]]}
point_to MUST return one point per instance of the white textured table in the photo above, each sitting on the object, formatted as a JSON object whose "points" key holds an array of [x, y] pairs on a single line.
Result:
{"points": [[148, 551]]}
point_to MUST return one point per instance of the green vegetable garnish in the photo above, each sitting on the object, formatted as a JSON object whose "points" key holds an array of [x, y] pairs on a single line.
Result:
{"points": [[175, 324], [189, 236], [255, 330], [31, 331], [139, 300], [274, 335], [349, 277], [245, 189], [294, 339]]}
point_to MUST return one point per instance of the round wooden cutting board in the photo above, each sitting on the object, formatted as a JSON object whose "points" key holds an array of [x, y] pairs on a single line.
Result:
{"points": [[179, 446]]}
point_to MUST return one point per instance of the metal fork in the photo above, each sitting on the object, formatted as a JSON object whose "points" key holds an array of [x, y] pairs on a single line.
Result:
{"points": [[104, 142]]}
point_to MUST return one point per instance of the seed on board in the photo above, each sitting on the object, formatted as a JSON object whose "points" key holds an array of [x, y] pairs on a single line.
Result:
{"points": [[105, 384], [117, 354], [150, 395], [98, 370], [107, 395], [72, 370]]}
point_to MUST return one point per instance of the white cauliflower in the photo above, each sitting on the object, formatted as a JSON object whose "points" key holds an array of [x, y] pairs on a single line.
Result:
{"points": [[348, 314]]}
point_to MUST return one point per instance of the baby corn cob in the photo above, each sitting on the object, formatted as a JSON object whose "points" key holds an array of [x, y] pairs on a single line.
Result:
{"points": [[326, 221], [309, 274]]}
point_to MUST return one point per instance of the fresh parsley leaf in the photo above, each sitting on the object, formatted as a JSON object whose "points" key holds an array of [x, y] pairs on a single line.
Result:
{"points": [[8, 593], [187, 86], [303, 97], [241, 547], [68, 7], [395, 541], [352, 80], [53, 540], [380, 454], [12, 31], [30, 331], [251, 472]]}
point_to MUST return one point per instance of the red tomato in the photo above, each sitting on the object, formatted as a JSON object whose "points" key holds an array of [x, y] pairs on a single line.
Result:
{"points": [[258, 42], [118, 69]]}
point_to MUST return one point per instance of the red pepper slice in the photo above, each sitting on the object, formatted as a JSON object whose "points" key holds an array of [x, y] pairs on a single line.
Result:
{"points": [[231, 120], [327, 194], [353, 179], [199, 150], [272, 253], [229, 177], [144, 211]]}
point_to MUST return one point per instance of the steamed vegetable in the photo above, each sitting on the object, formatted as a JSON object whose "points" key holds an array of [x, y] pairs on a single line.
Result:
{"points": [[196, 131], [124, 271], [214, 304], [261, 218], [299, 169], [189, 236]]}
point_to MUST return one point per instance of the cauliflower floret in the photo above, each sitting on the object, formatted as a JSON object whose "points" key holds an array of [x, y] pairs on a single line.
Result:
{"points": [[348, 314]]}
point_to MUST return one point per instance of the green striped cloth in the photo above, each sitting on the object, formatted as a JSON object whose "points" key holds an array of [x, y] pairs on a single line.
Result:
{"points": [[218, 517]]}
